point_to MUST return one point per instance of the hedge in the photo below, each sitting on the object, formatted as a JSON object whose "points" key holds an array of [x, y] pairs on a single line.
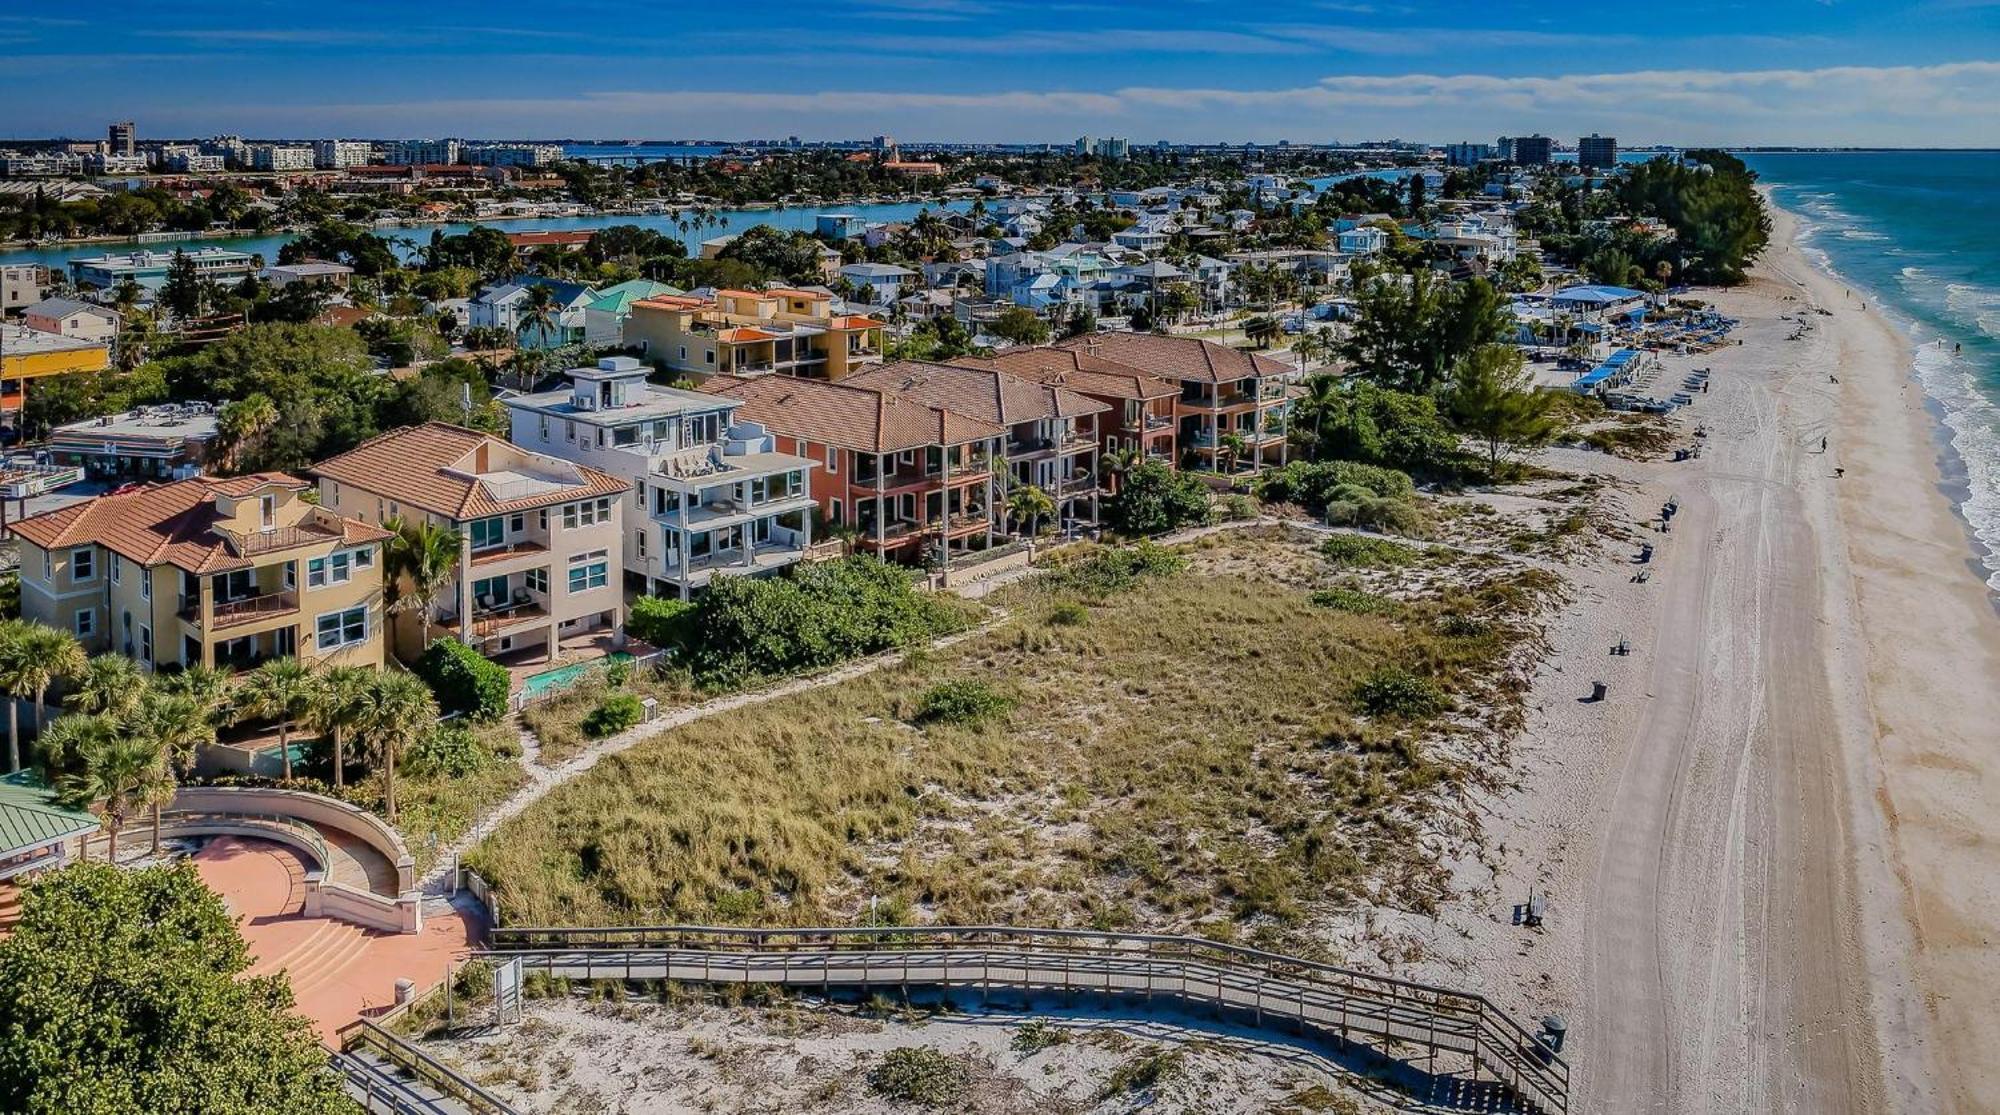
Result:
{"points": [[464, 680]]}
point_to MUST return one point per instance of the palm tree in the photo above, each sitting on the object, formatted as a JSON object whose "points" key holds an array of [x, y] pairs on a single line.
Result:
{"points": [[1262, 330], [241, 422], [427, 555], [391, 712], [279, 689], [1116, 463], [32, 658], [210, 686], [337, 696], [1321, 390], [538, 312], [116, 771], [1229, 445], [176, 727], [109, 683], [1029, 504]]}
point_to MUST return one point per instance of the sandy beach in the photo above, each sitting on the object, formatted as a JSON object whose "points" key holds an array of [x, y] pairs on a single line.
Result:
{"points": [[1769, 854]]}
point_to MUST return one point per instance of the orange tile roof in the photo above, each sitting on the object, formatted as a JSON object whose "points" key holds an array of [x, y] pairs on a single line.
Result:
{"points": [[1076, 370], [847, 416], [741, 294], [1177, 358], [431, 467], [743, 333], [673, 302], [983, 393], [856, 321], [172, 524], [789, 292]]}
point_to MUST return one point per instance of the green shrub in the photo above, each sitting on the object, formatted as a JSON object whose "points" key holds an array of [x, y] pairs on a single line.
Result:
{"points": [[618, 712], [1145, 1071], [1153, 498], [448, 750], [1343, 599], [820, 615], [660, 621], [1237, 508], [1035, 1035], [1314, 483], [464, 680], [913, 1074], [1116, 570], [1068, 613], [1368, 553], [1392, 691], [1458, 625], [1353, 506], [962, 701]]}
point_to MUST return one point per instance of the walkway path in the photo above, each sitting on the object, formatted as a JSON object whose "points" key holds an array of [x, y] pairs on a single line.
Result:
{"points": [[543, 779]]}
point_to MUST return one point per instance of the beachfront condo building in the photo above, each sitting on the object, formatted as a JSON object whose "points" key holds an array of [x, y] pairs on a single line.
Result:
{"points": [[149, 268], [538, 564], [712, 495], [1232, 407], [1141, 415], [750, 333], [1596, 152], [208, 572], [901, 478], [1052, 431]]}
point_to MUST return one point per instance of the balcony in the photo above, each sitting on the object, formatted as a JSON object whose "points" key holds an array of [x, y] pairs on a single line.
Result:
{"points": [[307, 533], [230, 613], [501, 553], [492, 621]]}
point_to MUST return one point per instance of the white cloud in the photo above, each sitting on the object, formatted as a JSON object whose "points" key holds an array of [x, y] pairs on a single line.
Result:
{"points": [[1954, 104]]}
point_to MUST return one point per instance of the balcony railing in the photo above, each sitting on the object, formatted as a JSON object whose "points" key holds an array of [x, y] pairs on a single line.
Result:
{"points": [[486, 621], [232, 612], [502, 553], [281, 538]]}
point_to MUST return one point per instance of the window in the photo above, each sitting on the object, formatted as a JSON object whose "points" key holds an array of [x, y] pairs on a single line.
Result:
{"points": [[588, 571], [536, 580], [625, 435], [334, 569], [639, 538], [519, 523], [86, 623], [291, 575], [145, 644], [709, 355], [569, 431], [488, 533], [837, 517], [364, 558], [590, 512], [542, 420], [342, 629], [832, 461], [492, 589], [82, 563], [267, 512], [117, 568], [542, 519], [145, 582]]}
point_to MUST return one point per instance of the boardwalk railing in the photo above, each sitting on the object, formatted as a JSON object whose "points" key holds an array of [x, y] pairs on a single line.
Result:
{"points": [[385, 1094], [1398, 1019]]}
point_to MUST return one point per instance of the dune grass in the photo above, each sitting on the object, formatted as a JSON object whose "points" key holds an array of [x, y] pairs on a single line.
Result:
{"points": [[1189, 752]]}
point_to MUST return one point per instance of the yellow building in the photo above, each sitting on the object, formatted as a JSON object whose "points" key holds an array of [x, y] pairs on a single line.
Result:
{"points": [[207, 571], [30, 354], [749, 333]]}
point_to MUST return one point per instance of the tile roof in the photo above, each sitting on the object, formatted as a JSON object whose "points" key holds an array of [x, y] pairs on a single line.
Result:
{"points": [[1076, 370], [433, 467], [174, 524], [1177, 358], [848, 416], [794, 292], [984, 393]]}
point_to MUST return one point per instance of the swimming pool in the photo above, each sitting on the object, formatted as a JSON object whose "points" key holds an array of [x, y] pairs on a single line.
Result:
{"points": [[536, 686]]}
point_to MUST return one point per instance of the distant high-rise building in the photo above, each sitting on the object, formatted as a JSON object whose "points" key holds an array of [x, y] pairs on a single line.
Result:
{"points": [[1596, 151], [884, 143], [511, 154], [1113, 148], [339, 154], [272, 156], [124, 139], [424, 152], [1467, 154], [1086, 145], [1534, 150]]}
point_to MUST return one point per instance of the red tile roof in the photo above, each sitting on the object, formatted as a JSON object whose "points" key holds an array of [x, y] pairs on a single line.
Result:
{"points": [[433, 467], [847, 416], [983, 393], [1078, 371], [1177, 358], [176, 524]]}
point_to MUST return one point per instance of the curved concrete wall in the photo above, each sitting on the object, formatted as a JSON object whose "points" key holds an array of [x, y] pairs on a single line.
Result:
{"points": [[321, 812]]}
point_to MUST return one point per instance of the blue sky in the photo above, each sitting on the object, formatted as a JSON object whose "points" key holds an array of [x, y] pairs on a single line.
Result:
{"points": [[1708, 71]]}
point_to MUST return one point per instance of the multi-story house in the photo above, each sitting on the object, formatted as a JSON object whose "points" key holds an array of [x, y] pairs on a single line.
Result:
{"points": [[712, 496], [208, 572], [540, 536], [1224, 391], [1141, 415], [902, 477], [747, 333], [505, 306], [1052, 439]]}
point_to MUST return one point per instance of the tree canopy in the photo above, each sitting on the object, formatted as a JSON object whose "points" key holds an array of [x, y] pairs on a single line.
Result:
{"points": [[1409, 333], [123, 991]]}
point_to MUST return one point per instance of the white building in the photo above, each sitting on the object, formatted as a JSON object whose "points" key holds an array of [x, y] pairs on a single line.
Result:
{"points": [[714, 497], [424, 152], [101, 163], [339, 154], [272, 156], [512, 154]]}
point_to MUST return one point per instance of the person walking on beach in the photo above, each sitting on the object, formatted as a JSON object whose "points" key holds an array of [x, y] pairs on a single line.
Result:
{"points": [[1822, 445]]}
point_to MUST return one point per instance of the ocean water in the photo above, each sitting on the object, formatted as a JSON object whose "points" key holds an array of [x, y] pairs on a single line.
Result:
{"points": [[1916, 231]]}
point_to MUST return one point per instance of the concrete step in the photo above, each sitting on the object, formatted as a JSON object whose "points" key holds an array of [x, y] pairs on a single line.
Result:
{"points": [[322, 933], [332, 961]]}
